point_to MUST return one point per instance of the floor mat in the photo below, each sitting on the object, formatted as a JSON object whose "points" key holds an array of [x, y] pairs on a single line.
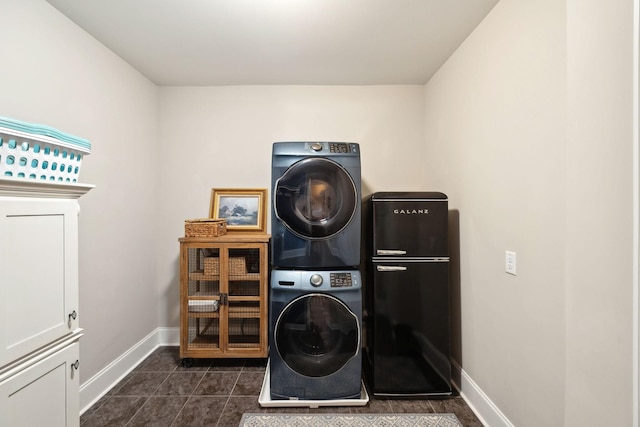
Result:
{"points": [[349, 420]]}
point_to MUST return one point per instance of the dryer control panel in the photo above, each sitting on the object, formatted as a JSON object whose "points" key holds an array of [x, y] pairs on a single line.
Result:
{"points": [[340, 147], [333, 147]]}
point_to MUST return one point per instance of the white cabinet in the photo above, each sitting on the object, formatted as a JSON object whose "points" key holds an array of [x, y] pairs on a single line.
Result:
{"points": [[44, 391], [39, 313]]}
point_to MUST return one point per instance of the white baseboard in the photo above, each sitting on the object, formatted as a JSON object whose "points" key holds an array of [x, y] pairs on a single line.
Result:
{"points": [[478, 401], [97, 386]]}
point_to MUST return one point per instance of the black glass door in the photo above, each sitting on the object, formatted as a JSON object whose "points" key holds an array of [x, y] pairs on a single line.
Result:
{"points": [[315, 198], [316, 335]]}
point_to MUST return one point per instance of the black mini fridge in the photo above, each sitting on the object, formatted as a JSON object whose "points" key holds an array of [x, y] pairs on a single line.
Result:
{"points": [[406, 295]]}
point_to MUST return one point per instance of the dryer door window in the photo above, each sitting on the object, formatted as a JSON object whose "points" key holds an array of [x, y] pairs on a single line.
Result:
{"points": [[315, 198], [316, 335]]}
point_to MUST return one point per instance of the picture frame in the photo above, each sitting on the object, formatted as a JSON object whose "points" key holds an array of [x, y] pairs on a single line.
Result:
{"points": [[244, 209]]}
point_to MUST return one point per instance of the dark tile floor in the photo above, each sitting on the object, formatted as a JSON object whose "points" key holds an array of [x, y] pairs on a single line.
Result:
{"points": [[216, 392]]}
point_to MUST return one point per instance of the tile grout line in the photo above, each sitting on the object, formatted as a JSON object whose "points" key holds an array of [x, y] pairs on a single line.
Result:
{"points": [[175, 419], [229, 397], [150, 395], [137, 410]]}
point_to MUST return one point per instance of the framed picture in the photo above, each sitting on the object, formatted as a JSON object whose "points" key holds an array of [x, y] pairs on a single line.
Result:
{"points": [[244, 209]]}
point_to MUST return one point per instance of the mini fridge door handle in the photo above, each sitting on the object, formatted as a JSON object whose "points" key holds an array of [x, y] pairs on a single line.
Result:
{"points": [[391, 252], [390, 268]]}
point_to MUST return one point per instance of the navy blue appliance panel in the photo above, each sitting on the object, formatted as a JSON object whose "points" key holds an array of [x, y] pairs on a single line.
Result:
{"points": [[316, 335], [316, 206], [315, 343], [408, 342], [315, 198]]}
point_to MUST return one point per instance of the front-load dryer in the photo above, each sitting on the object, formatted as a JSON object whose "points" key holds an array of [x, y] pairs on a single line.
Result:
{"points": [[315, 333], [316, 205]]}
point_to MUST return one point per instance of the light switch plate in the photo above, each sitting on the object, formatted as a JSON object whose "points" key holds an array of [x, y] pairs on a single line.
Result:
{"points": [[510, 262]]}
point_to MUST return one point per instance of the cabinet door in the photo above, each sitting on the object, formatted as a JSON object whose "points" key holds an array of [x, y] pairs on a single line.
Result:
{"points": [[200, 298], [44, 394], [245, 291], [38, 273]]}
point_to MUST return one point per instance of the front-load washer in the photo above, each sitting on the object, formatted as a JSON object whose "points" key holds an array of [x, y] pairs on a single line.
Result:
{"points": [[315, 330], [316, 205]]}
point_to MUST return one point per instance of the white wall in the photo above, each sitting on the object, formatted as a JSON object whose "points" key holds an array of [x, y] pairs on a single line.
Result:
{"points": [[599, 213], [528, 130], [221, 137], [54, 73]]}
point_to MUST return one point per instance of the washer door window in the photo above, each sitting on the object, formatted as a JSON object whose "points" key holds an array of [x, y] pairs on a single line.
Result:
{"points": [[315, 198], [316, 335]]}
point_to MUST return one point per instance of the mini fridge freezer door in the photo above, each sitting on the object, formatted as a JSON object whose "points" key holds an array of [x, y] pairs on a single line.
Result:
{"points": [[409, 227]]}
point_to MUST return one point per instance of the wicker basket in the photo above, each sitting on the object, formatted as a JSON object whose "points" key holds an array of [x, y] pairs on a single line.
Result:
{"points": [[205, 227], [237, 266], [211, 266]]}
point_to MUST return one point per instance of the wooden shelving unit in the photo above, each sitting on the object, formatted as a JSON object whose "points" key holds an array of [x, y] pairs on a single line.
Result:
{"points": [[223, 296]]}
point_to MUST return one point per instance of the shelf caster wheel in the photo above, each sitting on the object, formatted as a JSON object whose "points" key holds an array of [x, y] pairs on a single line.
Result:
{"points": [[187, 362]]}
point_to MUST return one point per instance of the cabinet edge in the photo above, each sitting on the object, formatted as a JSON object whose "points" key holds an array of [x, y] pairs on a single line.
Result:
{"points": [[42, 353], [29, 188]]}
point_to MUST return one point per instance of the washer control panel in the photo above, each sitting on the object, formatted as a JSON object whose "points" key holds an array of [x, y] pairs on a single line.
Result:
{"points": [[316, 280], [341, 280], [329, 281]]}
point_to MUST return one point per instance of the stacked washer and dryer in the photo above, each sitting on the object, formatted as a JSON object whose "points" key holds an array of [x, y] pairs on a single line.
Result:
{"points": [[315, 323]]}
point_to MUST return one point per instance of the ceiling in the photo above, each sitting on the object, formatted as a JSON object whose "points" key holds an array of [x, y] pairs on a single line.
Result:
{"points": [[315, 42]]}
